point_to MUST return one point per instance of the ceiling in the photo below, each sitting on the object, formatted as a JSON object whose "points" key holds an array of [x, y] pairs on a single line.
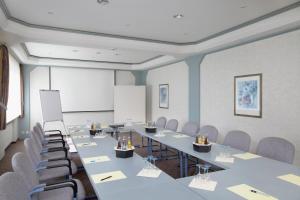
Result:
{"points": [[143, 19], [136, 34], [42, 50]]}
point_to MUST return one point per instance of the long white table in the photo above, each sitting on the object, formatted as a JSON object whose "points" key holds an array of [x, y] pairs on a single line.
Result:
{"points": [[133, 187], [260, 173]]}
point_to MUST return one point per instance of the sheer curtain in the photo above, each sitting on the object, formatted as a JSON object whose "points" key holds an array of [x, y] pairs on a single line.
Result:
{"points": [[4, 84]]}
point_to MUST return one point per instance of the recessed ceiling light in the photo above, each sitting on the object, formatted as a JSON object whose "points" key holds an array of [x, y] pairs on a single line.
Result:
{"points": [[75, 50], [116, 54], [98, 52], [103, 2], [243, 7], [178, 16], [50, 13], [113, 49]]}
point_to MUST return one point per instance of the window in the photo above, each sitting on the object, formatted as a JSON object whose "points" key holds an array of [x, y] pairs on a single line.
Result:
{"points": [[14, 95]]}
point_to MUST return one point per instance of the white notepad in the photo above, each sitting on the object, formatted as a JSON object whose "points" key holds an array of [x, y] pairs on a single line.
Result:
{"points": [[203, 185], [180, 136], [100, 136], [291, 178], [246, 156], [159, 135], [224, 159], [108, 176], [150, 173], [96, 159], [86, 144], [72, 148], [80, 136], [244, 191]]}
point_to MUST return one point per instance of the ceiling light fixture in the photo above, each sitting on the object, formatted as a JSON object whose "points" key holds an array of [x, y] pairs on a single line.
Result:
{"points": [[178, 16], [50, 13], [113, 49], [75, 50], [103, 2], [98, 52], [243, 7]]}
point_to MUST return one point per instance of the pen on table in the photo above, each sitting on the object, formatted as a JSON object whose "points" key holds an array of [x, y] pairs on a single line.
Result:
{"points": [[257, 192], [106, 178]]}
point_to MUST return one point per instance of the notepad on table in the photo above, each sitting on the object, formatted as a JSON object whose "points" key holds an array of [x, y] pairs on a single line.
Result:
{"points": [[180, 136], [80, 136], [291, 178], [159, 135], [99, 136], [72, 148], [108, 176], [96, 159], [150, 173], [246, 156], [86, 144], [203, 185], [224, 159], [250, 193]]}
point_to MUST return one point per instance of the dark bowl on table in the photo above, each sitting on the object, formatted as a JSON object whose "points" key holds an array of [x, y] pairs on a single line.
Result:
{"points": [[204, 148], [124, 153], [93, 132], [150, 129]]}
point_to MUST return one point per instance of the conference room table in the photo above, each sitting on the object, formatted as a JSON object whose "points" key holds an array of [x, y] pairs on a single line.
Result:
{"points": [[258, 172], [133, 186]]}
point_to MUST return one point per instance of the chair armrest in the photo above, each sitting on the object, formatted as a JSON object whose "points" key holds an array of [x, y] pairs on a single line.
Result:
{"points": [[53, 186], [53, 141], [61, 165], [55, 149], [54, 135], [51, 131]]}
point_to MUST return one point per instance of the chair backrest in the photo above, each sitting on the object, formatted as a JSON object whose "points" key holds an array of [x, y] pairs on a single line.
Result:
{"points": [[161, 122], [210, 132], [39, 132], [238, 139], [36, 140], [172, 125], [276, 148], [22, 165], [32, 152], [39, 126], [12, 187], [191, 129]]}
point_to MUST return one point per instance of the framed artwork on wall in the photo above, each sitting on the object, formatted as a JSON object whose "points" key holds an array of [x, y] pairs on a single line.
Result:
{"points": [[164, 96], [248, 95]]}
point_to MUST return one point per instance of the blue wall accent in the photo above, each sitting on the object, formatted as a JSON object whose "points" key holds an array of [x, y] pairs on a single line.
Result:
{"points": [[194, 86], [24, 122], [140, 76]]}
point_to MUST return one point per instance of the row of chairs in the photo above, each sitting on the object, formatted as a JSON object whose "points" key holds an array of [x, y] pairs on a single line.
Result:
{"points": [[272, 147], [43, 172]]}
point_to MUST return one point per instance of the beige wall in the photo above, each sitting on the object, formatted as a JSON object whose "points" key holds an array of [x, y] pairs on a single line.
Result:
{"points": [[176, 75], [10, 134], [278, 59]]}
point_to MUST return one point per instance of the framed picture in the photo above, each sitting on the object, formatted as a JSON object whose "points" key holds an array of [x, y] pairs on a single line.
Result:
{"points": [[164, 96], [248, 95]]}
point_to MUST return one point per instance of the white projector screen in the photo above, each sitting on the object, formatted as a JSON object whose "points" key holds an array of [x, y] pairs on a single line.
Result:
{"points": [[84, 89]]}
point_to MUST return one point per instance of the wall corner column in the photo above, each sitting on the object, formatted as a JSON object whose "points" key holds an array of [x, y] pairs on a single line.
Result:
{"points": [[193, 63]]}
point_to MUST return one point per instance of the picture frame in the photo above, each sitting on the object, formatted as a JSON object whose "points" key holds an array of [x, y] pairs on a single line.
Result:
{"points": [[164, 96], [248, 95]]}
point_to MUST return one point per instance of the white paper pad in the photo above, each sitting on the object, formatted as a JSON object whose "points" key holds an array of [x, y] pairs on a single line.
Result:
{"points": [[180, 136], [224, 159], [72, 149], [76, 131], [244, 191], [96, 159], [159, 135], [100, 136], [69, 141], [291, 178], [115, 175], [246, 156], [80, 136], [203, 185], [150, 173], [86, 144]]}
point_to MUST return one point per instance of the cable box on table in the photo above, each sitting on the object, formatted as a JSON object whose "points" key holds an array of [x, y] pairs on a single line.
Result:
{"points": [[150, 129], [124, 153], [205, 148]]}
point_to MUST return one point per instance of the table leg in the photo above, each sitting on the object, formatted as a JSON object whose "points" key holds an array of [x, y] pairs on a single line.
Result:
{"points": [[181, 164]]}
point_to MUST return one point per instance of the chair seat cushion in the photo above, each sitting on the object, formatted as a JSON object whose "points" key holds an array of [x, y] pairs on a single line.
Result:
{"points": [[48, 174]]}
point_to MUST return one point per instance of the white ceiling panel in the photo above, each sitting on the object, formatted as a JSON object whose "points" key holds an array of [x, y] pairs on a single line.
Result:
{"points": [[43, 50], [144, 19]]}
